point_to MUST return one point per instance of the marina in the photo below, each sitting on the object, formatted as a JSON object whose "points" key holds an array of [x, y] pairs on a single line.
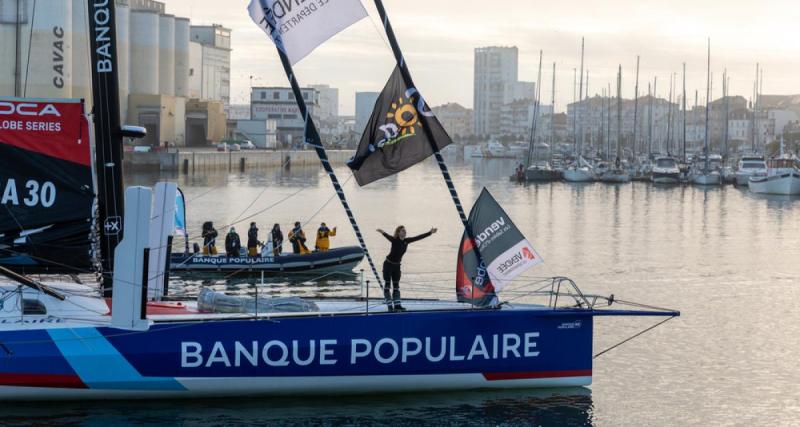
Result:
{"points": [[168, 235]]}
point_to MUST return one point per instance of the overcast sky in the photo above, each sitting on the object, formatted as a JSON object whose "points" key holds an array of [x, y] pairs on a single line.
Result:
{"points": [[438, 38]]}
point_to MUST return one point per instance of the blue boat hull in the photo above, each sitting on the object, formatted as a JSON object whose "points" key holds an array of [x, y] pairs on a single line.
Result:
{"points": [[411, 351], [337, 259]]}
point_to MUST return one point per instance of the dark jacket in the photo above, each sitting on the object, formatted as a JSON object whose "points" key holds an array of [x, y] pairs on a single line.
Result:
{"points": [[277, 237], [232, 244], [209, 237], [399, 246], [252, 237]]}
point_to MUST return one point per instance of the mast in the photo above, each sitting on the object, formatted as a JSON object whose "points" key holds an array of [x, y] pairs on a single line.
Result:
{"points": [[655, 94], [580, 108], [619, 114], [608, 124], [669, 118], [602, 116], [532, 146], [694, 111], [755, 111], [708, 98], [108, 133], [683, 100], [588, 106], [553, 112], [725, 90], [575, 111], [635, 107], [649, 121]]}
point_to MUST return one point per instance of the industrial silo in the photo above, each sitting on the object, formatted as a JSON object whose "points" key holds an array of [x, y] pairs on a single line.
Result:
{"points": [[8, 47], [123, 21], [81, 70], [144, 56], [182, 57], [166, 55], [46, 49]]}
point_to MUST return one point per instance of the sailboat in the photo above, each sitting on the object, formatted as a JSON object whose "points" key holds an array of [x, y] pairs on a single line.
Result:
{"points": [[703, 173], [538, 170], [617, 174], [62, 342], [580, 170]]}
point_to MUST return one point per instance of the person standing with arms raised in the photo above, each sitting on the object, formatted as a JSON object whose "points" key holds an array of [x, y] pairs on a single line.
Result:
{"points": [[391, 266]]}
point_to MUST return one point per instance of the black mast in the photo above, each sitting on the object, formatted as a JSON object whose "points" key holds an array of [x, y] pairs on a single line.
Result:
{"points": [[108, 133]]}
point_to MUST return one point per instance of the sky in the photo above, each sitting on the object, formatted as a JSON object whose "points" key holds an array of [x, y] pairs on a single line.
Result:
{"points": [[438, 38]]}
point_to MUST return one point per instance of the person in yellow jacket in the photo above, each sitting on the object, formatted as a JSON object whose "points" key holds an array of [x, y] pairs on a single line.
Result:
{"points": [[297, 237], [323, 242]]}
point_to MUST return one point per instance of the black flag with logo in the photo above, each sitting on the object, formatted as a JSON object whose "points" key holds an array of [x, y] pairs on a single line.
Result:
{"points": [[398, 134]]}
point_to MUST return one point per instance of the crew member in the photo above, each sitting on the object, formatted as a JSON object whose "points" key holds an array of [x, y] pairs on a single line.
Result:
{"points": [[521, 173], [298, 239], [323, 242], [209, 238], [391, 266], [277, 240], [252, 240], [233, 244]]}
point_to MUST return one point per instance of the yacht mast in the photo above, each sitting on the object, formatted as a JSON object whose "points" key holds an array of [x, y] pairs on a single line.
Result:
{"points": [[636, 107], [683, 100], [619, 113], [553, 112], [580, 107], [725, 90], [532, 146], [708, 103], [669, 118], [108, 133], [649, 121]]}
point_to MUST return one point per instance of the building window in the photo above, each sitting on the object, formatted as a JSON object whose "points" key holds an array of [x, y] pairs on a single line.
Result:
{"points": [[263, 95], [290, 116], [276, 95], [305, 95], [273, 116], [291, 95]]}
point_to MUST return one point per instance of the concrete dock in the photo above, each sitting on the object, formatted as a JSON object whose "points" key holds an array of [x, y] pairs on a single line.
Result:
{"points": [[204, 161]]}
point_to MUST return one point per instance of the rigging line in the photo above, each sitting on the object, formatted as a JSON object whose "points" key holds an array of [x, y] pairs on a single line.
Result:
{"points": [[633, 337], [330, 199], [30, 46]]}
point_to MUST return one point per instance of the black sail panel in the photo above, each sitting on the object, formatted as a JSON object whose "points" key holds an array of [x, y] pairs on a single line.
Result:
{"points": [[46, 186]]}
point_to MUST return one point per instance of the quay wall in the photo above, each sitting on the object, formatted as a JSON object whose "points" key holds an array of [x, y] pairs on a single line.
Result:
{"points": [[207, 161]]}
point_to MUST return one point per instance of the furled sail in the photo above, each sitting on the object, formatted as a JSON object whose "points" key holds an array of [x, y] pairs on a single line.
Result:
{"points": [[46, 186], [494, 254]]}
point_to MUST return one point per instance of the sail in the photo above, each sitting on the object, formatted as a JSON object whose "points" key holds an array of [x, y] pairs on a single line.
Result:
{"points": [[180, 218], [497, 253], [46, 186]]}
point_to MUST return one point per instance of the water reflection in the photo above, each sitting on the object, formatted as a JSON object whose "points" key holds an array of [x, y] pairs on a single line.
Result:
{"points": [[568, 407]]}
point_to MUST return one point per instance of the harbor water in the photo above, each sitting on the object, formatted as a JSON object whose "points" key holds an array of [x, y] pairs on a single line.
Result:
{"points": [[726, 258]]}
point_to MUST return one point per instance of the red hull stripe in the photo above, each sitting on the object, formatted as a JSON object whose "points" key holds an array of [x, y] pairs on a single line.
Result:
{"points": [[41, 380], [497, 376]]}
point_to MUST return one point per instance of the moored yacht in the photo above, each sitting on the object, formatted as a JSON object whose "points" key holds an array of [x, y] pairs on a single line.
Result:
{"points": [[666, 171], [782, 177], [750, 166]]}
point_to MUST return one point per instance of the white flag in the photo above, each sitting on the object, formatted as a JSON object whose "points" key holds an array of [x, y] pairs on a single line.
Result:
{"points": [[298, 26]]}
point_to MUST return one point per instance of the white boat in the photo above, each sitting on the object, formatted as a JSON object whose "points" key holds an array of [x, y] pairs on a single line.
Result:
{"points": [[496, 150], [706, 178], [666, 171], [579, 174], [616, 176], [782, 177], [750, 166]]}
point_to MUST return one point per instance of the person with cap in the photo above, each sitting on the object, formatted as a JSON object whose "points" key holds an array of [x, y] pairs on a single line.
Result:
{"points": [[209, 235]]}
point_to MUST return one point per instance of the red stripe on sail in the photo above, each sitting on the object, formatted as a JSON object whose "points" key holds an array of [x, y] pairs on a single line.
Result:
{"points": [[497, 376], [41, 380]]}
